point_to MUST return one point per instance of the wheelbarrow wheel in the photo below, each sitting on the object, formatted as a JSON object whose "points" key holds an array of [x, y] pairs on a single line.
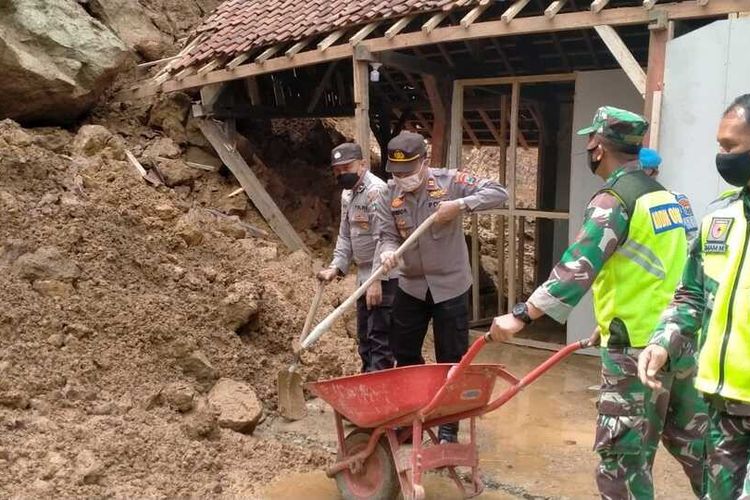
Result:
{"points": [[378, 479]]}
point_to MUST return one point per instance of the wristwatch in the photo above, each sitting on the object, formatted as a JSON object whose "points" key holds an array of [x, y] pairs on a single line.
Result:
{"points": [[521, 311]]}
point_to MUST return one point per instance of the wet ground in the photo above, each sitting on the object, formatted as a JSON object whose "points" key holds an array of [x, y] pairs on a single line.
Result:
{"points": [[536, 446]]}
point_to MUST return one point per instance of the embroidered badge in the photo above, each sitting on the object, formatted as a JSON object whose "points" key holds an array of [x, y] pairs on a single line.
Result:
{"points": [[397, 202], [718, 232], [437, 193], [364, 225], [666, 217], [464, 178], [687, 213], [431, 184]]}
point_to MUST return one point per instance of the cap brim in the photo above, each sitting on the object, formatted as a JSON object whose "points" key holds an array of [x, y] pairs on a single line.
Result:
{"points": [[343, 161], [400, 167], [587, 130]]}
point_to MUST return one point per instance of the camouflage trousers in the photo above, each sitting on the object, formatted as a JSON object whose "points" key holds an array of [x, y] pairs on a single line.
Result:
{"points": [[632, 419], [728, 449]]}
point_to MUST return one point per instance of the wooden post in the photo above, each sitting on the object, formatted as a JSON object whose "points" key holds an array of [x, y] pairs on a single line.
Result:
{"points": [[224, 144], [515, 102], [501, 219], [521, 253], [659, 35], [475, 268], [362, 106], [440, 123], [457, 135]]}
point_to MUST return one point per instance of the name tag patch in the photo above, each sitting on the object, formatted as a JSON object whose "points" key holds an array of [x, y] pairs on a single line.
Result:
{"points": [[666, 218], [718, 232]]}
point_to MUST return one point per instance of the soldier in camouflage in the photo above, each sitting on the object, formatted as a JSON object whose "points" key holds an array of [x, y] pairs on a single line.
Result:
{"points": [[631, 250], [710, 311]]}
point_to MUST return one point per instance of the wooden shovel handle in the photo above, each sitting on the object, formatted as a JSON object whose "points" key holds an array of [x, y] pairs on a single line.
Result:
{"points": [[313, 309]]}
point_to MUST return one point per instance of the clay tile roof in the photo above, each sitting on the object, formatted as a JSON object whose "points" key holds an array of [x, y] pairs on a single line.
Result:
{"points": [[237, 26]]}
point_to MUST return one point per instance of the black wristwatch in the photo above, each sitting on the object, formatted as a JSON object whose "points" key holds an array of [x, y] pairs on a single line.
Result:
{"points": [[521, 311]]}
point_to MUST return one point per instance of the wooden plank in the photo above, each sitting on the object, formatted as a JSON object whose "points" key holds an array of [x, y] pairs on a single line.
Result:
{"points": [[657, 52], [702, 3], [362, 106], [623, 56], [297, 47], [398, 26], [488, 123], [554, 8], [267, 54], [653, 134], [649, 4], [235, 192], [322, 86], [457, 114], [474, 267], [515, 102], [440, 121], [598, 5], [473, 15], [433, 22], [239, 60], [509, 80], [411, 64], [363, 33], [325, 43], [512, 11], [622, 16], [134, 161], [502, 169], [157, 62], [521, 254], [253, 91], [223, 145]]}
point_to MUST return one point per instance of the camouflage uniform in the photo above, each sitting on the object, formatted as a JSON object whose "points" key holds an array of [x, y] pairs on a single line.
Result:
{"points": [[728, 437], [632, 418]]}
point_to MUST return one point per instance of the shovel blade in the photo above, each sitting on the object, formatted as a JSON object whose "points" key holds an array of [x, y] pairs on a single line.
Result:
{"points": [[291, 398]]}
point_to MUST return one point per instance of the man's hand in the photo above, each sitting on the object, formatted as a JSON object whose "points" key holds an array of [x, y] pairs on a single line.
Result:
{"points": [[447, 211], [650, 362], [505, 327], [327, 274], [374, 295], [388, 260], [595, 338]]}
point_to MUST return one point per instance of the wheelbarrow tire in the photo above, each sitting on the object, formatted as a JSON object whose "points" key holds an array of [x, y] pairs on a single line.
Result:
{"points": [[378, 479]]}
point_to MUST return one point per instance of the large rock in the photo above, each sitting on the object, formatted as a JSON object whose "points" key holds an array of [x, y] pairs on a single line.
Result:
{"points": [[129, 21], [91, 139], [170, 114], [47, 263], [237, 405], [55, 60]]}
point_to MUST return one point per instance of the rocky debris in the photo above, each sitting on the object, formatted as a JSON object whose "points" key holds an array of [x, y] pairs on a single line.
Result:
{"points": [[57, 60], [47, 263], [54, 288], [166, 211], [180, 396], [241, 307], [88, 469], [170, 114], [132, 24], [163, 147], [57, 140], [202, 422], [202, 157], [198, 366], [237, 405], [14, 399], [56, 340], [13, 134], [91, 139], [178, 173], [55, 463]]}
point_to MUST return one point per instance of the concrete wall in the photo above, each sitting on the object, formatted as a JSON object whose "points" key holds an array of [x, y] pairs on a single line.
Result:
{"points": [[593, 89], [705, 70]]}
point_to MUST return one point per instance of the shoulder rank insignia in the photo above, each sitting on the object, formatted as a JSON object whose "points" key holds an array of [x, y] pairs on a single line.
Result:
{"points": [[718, 232]]}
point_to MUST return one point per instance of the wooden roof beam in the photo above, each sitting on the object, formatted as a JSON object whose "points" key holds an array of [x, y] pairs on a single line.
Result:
{"points": [[512, 11], [598, 5], [623, 56], [554, 8], [239, 59], [267, 54], [412, 64], [433, 22], [702, 2], [649, 4], [470, 132], [474, 14], [297, 47], [398, 26], [330, 39], [363, 33]]}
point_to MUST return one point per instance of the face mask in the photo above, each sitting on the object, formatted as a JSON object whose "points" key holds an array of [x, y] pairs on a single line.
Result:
{"points": [[593, 164], [734, 168], [347, 180], [410, 183]]}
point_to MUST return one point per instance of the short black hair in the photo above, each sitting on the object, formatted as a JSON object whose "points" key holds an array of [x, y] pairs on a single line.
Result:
{"points": [[742, 102]]}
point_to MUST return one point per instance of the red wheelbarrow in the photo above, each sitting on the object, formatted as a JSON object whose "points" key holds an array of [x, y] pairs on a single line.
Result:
{"points": [[391, 408]]}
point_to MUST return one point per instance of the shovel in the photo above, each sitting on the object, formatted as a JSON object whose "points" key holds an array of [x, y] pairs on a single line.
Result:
{"points": [[289, 382]]}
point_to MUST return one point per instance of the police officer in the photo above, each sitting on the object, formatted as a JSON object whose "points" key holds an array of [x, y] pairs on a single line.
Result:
{"points": [[362, 193], [715, 297], [435, 275], [631, 249]]}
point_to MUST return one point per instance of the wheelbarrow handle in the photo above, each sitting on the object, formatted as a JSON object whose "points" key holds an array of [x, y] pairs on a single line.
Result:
{"points": [[328, 321]]}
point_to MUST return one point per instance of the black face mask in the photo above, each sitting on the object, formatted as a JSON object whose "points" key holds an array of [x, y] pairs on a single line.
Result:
{"points": [[593, 165], [734, 168], [347, 180]]}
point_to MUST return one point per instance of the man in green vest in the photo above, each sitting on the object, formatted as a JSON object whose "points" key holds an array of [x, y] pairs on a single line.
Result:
{"points": [[714, 298], [631, 250]]}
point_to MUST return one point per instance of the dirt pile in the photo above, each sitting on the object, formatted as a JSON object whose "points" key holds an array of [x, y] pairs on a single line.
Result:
{"points": [[124, 304]]}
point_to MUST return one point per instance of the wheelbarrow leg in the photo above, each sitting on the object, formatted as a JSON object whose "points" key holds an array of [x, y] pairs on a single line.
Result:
{"points": [[402, 458], [416, 460], [340, 434]]}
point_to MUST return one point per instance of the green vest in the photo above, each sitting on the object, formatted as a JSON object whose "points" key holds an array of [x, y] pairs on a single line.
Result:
{"points": [[637, 282], [724, 360]]}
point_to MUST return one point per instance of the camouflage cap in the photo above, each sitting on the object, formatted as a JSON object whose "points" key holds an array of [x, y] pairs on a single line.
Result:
{"points": [[619, 126]]}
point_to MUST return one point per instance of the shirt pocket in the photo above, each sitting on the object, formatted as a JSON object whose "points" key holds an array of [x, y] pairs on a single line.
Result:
{"points": [[404, 223]]}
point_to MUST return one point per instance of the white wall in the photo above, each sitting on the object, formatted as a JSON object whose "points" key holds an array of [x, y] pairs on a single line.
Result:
{"points": [[705, 70], [593, 89]]}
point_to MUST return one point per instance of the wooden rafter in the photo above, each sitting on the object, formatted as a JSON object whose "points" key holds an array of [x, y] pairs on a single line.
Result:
{"points": [[297, 47], [239, 59], [503, 56], [623, 56], [433, 22], [490, 126], [569, 21], [649, 4], [473, 14], [267, 54], [398, 26], [470, 132], [212, 65], [363, 33], [554, 8], [446, 55], [512, 11], [330, 39], [598, 5], [702, 2]]}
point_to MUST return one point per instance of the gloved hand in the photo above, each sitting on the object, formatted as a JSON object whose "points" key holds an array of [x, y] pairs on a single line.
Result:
{"points": [[327, 274]]}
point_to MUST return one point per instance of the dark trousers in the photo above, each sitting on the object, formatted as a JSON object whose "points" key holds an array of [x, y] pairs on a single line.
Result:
{"points": [[373, 330], [450, 326]]}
